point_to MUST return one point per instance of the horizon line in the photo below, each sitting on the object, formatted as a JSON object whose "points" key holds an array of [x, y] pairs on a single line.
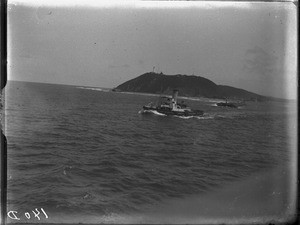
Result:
{"points": [[280, 98]]}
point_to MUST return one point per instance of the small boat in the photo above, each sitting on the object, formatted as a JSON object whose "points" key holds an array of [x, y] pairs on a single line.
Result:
{"points": [[169, 106], [227, 104]]}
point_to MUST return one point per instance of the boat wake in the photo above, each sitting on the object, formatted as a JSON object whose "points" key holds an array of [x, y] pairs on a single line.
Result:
{"points": [[154, 112], [204, 117], [143, 111]]}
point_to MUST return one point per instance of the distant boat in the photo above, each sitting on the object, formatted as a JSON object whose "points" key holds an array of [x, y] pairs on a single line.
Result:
{"points": [[169, 106], [116, 90], [227, 104]]}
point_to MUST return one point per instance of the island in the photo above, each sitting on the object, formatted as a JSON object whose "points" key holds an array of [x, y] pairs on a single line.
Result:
{"points": [[188, 86]]}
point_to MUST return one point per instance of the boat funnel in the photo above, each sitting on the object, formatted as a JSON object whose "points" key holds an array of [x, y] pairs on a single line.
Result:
{"points": [[175, 94]]}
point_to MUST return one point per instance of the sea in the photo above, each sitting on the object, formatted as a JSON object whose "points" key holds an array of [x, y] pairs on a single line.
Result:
{"points": [[89, 155]]}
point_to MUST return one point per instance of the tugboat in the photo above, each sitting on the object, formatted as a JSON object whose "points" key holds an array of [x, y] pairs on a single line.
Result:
{"points": [[169, 106]]}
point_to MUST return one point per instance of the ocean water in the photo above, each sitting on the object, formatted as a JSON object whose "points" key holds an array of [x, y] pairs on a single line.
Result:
{"points": [[89, 155]]}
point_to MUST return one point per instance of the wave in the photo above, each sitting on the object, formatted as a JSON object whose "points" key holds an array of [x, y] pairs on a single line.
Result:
{"points": [[94, 89], [231, 203]]}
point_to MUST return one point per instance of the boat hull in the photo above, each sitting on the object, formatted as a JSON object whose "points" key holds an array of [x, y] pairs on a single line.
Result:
{"points": [[224, 104]]}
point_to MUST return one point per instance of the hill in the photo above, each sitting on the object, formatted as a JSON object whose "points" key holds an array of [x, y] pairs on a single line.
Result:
{"points": [[188, 86]]}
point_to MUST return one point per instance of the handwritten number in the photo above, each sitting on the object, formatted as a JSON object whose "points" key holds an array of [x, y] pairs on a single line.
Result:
{"points": [[27, 215], [44, 213], [13, 214], [36, 214]]}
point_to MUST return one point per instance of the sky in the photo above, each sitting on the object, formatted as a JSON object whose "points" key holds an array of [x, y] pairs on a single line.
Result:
{"points": [[105, 43]]}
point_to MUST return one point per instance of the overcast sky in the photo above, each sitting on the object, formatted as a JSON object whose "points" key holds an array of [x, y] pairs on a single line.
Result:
{"points": [[245, 45]]}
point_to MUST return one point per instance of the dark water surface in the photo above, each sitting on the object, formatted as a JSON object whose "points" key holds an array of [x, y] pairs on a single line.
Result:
{"points": [[89, 153]]}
